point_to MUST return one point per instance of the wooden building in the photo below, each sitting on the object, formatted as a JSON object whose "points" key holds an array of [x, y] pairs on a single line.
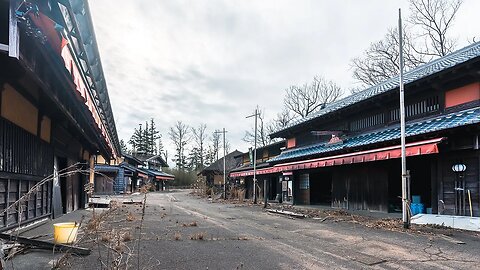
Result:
{"points": [[117, 179], [151, 171], [347, 155], [244, 172], [213, 174], [55, 109]]}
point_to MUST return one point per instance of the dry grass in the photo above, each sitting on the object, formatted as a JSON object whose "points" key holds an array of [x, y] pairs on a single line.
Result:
{"points": [[191, 224], [118, 248], [94, 223], [198, 236], [130, 216], [177, 236], [126, 237], [106, 237]]}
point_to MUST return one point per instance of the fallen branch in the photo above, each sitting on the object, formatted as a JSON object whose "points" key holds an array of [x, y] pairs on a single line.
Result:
{"points": [[45, 245]]}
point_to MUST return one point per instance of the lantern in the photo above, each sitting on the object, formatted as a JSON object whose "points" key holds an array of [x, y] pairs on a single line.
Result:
{"points": [[459, 168]]}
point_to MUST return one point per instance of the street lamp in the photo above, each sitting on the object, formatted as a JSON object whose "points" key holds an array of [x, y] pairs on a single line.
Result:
{"points": [[459, 169]]}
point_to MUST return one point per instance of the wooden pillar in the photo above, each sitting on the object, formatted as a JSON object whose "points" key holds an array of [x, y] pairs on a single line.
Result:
{"points": [[91, 179], [92, 169]]}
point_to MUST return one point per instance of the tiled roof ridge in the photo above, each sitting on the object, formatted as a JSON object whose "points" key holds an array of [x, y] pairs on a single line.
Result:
{"points": [[455, 58], [410, 125]]}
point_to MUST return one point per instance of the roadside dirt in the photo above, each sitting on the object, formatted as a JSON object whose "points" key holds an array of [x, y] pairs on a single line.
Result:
{"points": [[390, 224]]}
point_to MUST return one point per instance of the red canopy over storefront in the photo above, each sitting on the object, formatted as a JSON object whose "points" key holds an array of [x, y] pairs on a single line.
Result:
{"points": [[164, 178], [413, 149]]}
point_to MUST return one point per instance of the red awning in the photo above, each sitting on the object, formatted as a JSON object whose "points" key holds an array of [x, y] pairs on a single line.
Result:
{"points": [[164, 178], [412, 149], [142, 175]]}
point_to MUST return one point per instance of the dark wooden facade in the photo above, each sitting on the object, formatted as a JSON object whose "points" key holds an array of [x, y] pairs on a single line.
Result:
{"points": [[24, 160], [47, 133]]}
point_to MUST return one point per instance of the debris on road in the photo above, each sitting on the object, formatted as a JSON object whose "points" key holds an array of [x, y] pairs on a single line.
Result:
{"points": [[288, 213], [45, 244]]}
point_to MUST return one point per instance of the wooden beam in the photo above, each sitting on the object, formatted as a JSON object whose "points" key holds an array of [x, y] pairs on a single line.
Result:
{"points": [[13, 33], [4, 47], [46, 245]]}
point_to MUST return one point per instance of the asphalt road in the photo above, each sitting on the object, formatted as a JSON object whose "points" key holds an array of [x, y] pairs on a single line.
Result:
{"points": [[246, 237]]}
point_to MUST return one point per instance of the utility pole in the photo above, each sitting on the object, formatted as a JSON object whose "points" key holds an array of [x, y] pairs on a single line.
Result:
{"points": [[256, 114], [405, 185], [224, 164]]}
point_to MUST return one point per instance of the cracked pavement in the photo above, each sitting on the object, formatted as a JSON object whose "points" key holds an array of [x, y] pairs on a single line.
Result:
{"points": [[181, 231]]}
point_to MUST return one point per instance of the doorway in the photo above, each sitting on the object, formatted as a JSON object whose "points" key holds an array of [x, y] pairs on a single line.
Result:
{"points": [[321, 188]]}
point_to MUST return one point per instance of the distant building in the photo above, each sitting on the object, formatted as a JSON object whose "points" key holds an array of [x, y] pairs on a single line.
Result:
{"points": [[151, 171], [117, 179], [213, 174], [244, 172]]}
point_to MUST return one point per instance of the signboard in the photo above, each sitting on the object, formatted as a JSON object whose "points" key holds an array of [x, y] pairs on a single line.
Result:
{"points": [[250, 155]]}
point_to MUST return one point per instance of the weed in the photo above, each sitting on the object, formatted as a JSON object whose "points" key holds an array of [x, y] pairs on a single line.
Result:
{"points": [[191, 224], [177, 236], [106, 237], [198, 236], [127, 236], [130, 217]]}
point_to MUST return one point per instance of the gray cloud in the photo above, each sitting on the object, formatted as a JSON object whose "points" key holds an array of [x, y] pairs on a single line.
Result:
{"points": [[213, 61]]}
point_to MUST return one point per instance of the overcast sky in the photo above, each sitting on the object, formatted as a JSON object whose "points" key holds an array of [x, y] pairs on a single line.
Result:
{"points": [[213, 61]]}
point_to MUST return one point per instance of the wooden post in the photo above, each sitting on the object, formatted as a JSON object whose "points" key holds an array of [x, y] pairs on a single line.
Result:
{"points": [[92, 169], [265, 195], [91, 179], [13, 33]]}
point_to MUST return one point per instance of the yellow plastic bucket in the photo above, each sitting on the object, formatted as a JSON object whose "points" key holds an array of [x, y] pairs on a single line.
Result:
{"points": [[65, 233]]}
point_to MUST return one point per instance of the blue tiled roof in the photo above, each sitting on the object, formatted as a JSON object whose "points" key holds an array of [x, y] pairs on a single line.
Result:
{"points": [[452, 120], [470, 52], [106, 168], [128, 167], [151, 172]]}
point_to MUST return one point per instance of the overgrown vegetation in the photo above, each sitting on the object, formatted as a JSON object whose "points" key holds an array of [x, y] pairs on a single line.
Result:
{"points": [[182, 177]]}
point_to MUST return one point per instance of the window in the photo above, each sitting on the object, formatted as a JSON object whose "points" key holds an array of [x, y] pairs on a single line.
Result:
{"points": [[366, 122], [427, 105], [304, 181]]}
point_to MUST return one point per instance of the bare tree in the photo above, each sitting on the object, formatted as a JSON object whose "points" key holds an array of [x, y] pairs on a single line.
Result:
{"points": [[200, 136], [426, 36], [380, 60], [215, 143], [262, 133], [305, 99], [228, 146], [435, 17], [180, 136], [281, 121]]}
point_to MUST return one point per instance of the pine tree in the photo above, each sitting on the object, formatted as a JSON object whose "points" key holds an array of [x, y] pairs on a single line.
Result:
{"points": [[194, 160], [136, 141], [146, 139], [153, 136], [123, 147]]}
